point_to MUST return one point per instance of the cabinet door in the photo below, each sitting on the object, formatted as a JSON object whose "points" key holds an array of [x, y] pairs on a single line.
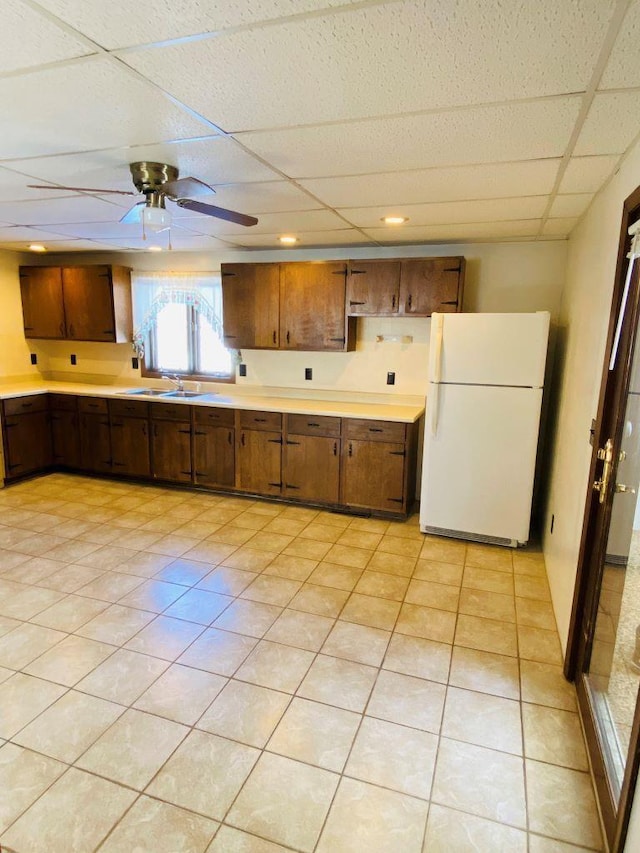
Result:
{"points": [[65, 438], [42, 305], [214, 456], [130, 446], [259, 461], [312, 315], [251, 305], [373, 475], [373, 288], [27, 443], [88, 303], [95, 442], [312, 468], [171, 451], [432, 284]]}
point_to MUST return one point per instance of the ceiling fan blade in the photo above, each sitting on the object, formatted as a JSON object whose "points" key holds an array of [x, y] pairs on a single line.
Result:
{"points": [[79, 189], [134, 214], [186, 188], [219, 212]]}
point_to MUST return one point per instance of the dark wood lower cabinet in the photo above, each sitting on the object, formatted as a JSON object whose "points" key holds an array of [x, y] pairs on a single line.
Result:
{"points": [[65, 438], [95, 442], [373, 475], [214, 458], [27, 443], [171, 451], [311, 468], [259, 461], [130, 447]]}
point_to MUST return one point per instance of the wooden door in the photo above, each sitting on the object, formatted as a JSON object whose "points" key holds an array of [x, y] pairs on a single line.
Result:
{"points": [[171, 451], [88, 303], [95, 442], [65, 438], [312, 468], [27, 443], [431, 284], [42, 305], [214, 456], [373, 288], [251, 305], [312, 315], [130, 451], [373, 475], [259, 461]]}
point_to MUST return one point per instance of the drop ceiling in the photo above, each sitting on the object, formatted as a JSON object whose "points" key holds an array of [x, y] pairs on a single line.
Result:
{"points": [[474, 119]]}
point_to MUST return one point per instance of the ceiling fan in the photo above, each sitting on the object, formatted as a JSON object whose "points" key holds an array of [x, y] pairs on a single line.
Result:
{"points": [[159, 182]]}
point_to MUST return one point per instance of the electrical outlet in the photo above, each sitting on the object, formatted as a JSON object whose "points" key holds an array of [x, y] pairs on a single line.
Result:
{"points": [[308, 373], [34, 358], [73, 359], [135, 364], [242, 369], [391, 378]]}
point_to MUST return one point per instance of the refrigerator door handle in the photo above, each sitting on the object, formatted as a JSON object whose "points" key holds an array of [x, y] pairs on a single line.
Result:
{"points": [[434, 394]]}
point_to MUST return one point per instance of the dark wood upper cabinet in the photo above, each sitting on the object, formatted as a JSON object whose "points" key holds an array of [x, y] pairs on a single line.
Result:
{"points": [[42, 307], [91, 303], [407, 287], [373, 288], [312, 313], [251, 305], [431, 284]]}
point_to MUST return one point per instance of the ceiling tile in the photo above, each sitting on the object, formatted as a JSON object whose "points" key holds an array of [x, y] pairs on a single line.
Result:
{"points": [[521, 131], [611, 124], [214, 160], [559, 227], [623, 70], [450, 212], [99, 230], [13, 187], [497, 180], [435, 54], [89, 104], [346, 237], [586, 174], [570, 205], [270, 223], [23, 233], [120, 23], [258, 198], [475, 230], [180, 241], [52, 211], [28, 39]]}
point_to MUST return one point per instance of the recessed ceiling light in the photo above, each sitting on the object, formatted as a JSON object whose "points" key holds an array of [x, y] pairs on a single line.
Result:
{"points": [[394, 220], [288, 239], [154, 249], [37, 247]]}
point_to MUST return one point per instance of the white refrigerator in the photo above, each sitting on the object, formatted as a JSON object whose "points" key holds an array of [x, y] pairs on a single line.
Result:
{"points": [[486, 374]]}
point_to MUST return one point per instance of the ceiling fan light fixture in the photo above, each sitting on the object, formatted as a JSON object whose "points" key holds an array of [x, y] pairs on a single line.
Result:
{"points": [[37, 247], [288, 239], [395, 220], [156, 219], [154, 248]]}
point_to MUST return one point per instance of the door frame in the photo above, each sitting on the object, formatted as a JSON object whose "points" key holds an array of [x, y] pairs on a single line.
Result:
{"points": [[608, 424]]}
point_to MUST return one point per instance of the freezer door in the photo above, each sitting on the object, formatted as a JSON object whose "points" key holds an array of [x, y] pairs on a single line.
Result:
{"points": [[478, 468], [489, 349]]}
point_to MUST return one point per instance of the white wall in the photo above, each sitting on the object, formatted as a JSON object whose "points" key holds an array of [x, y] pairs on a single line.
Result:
{"points": [[583, 324], [513, 276], [15, 362]]}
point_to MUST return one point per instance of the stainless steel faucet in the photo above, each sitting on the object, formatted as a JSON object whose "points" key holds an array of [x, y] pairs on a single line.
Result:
{"points": [[175, 380]]}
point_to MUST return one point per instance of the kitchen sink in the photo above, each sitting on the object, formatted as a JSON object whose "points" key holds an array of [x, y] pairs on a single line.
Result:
{"points": [[184, 394], [146, 392]]}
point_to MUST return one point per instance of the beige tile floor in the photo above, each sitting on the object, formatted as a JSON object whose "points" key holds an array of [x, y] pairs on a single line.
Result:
{"points": [[183, 672]]}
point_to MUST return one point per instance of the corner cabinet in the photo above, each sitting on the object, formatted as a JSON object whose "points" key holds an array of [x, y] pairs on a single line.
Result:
{"points": [[91, 303], [26, 433], [288, 306], [407, 287]]}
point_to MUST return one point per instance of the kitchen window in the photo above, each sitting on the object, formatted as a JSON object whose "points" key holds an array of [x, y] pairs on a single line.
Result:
{"points": [[178, 325]]}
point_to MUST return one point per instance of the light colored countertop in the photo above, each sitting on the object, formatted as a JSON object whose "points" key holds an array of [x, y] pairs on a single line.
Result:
{"points": [[294, 402]]}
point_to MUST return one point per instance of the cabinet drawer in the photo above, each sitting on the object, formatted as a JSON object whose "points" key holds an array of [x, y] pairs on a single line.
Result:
{"points": [[63, 402], [216, 417], [95, 405], [313, 425], [129, 408], [25, 405], [260, 420], [374, 430], [170, 412]]}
